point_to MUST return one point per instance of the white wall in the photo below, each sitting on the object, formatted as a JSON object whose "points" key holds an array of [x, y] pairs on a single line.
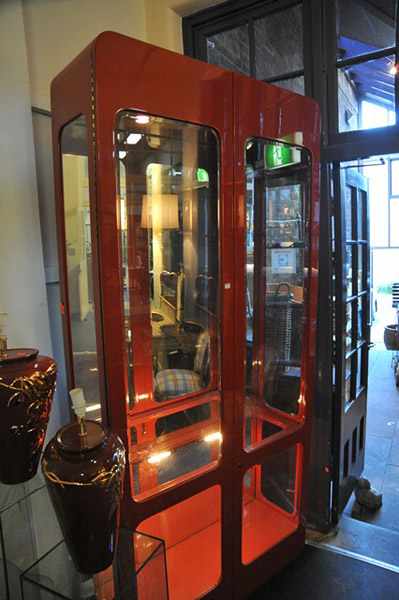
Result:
{"points": [[22, 289], [57, 30]]}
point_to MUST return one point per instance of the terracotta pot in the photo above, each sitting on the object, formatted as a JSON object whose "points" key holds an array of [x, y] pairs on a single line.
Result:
{"points": [[27, 383], [84, 476]]}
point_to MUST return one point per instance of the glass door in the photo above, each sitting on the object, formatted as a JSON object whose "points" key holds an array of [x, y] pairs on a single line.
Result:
{"points": [[351, 281], [168, 188], [277, 266]]}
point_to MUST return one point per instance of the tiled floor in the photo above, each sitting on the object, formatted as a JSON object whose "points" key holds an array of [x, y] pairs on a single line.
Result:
{"points": [[382, 439]]}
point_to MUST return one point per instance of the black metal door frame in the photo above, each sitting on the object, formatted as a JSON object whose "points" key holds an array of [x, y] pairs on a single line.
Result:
{"points": [[351, 240]]}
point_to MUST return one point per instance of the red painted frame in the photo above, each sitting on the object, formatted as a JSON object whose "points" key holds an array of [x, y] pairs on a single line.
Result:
{"points": [[117, 73]]}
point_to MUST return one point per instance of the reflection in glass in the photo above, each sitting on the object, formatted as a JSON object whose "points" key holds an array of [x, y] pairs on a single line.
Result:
{"points": [[348, 389], [185, 440], [230, 49], [360, 315], [360, 368], [366, 95], [168, 193], [348, 270], [361, 249], [364, 26], [294, 84], [350, 201], [349, 325], [277, 244], [279, 43], [74, 148]]}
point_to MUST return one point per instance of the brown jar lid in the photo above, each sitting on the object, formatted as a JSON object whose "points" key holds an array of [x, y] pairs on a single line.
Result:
{"points": [[70, 439], [16, 354]]}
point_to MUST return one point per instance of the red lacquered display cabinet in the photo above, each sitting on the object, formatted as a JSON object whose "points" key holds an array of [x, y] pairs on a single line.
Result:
{"points": [[188, 203]]}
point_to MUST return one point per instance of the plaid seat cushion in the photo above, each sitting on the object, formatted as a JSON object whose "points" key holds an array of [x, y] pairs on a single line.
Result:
{"points": [[170, 383]]}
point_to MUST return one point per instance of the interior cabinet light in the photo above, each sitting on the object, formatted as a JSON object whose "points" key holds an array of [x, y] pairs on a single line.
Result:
{"points": [[215, 436], [133, 138], [142, 119], [155, 459]]}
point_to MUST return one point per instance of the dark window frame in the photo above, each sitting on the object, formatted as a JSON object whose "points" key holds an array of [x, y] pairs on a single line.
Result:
{"points": [[198, 27]]}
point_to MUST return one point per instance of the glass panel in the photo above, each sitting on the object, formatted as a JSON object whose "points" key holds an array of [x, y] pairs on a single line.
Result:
{"points": [[348, 389], [349, 222], [168, 194], [359, 370], [364, 26], [366, 95], [377, 178], [269, 510], [349, 326], [295, 84], [185, 441], [230, 49], [394, 221], [54, 575], [277, 244], [362, 249], [394, 177], [361, 330], [278, 43], [82, 310], [362, 215], [191, 531], [348, 270]]}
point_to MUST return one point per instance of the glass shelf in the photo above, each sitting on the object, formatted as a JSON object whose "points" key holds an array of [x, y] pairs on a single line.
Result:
{"points": [[55, 576], [28, 529]]}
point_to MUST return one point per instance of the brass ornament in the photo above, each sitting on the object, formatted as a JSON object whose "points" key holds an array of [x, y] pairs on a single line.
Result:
{"points": [[103, 478], [35, 392]]}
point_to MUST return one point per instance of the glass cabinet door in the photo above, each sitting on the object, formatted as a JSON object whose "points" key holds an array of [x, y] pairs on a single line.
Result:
{"points": [[79, 264], [167, 175], [276, 275]]}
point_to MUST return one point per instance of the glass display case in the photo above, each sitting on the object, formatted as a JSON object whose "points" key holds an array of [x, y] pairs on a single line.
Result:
{"points": [[188, 242], [28, 529], [55, 576]]}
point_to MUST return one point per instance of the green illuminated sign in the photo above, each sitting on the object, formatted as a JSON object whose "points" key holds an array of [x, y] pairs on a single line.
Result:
{"points": [[277, 155], [202, 176]]}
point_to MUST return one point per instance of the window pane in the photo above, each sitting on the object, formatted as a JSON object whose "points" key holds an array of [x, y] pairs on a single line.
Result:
{"points": [[366, 95], [278, 43], [82, 310], [230, 49], [296, 84], [395, 177], [364, 26], [348, 270], [168, 191], [377, 177], [277, 245], [394, 209]]}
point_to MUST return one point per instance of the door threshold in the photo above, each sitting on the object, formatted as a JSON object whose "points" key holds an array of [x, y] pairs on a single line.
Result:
{"points": [[363, 541]]}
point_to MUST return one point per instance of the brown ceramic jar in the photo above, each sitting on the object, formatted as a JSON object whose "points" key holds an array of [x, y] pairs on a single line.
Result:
{"points": [[84, 476], [27, 383]]}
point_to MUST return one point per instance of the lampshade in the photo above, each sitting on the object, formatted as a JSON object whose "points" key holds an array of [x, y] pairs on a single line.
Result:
{"points": [[160, 211]]}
